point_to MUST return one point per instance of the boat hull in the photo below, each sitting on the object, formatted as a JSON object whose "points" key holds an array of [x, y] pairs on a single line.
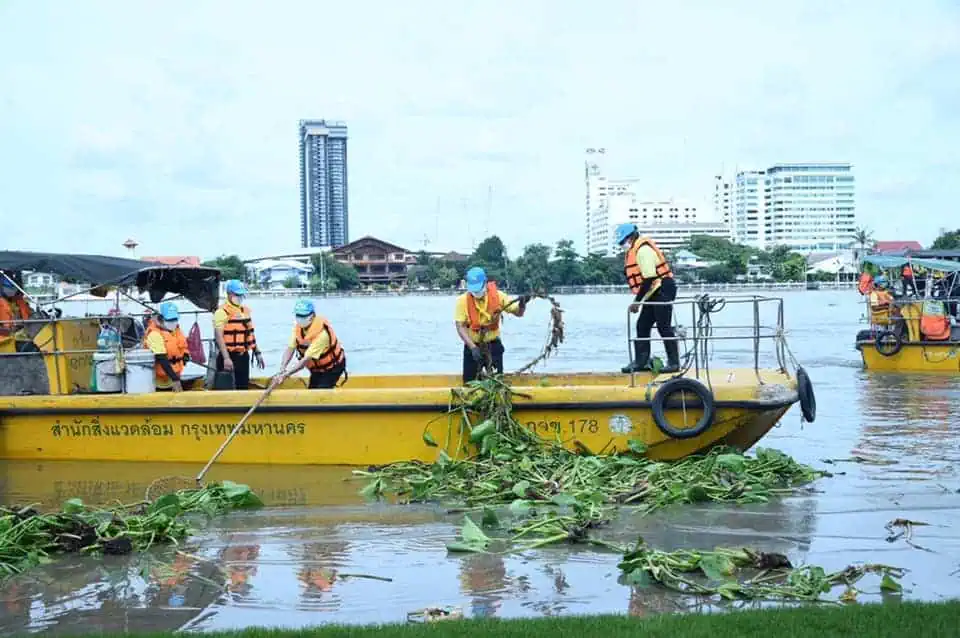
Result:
{"points": [[912, 357], [376, 420]]}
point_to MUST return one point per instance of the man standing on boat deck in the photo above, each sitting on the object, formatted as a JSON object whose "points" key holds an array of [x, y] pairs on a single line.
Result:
{"points": [[14, 311], [317, 347], [234, 333], [651, 280], [165, 339], [477, 317]]}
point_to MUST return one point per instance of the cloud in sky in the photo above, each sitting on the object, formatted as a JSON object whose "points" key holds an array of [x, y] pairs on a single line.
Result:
{"points": [[176, 123]]}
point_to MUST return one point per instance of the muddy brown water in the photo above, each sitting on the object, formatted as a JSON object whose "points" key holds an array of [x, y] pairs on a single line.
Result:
{"points": [[284, 565]]}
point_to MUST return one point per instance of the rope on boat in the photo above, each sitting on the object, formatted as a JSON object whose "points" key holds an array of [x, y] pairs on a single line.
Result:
{"points": [[554, 335]]}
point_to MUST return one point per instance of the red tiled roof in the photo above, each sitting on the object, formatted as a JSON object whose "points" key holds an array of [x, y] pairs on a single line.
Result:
{"points": [[897, 246], [176, 260]]}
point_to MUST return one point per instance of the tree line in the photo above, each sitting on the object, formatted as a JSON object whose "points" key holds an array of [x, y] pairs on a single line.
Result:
{"points": [[540, 267]]}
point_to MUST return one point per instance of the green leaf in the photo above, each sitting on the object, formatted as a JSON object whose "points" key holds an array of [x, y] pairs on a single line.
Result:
{"points": [[697, 494], [428, 439], [520, 507], [464, 548], [733, 462], [637, 578], [889, 584], [371, 490], [520, 489], [563, 499], [637, 446], [717, 567], [73, 506], [729, 590], [169, 504], [490, 518], [473, 535]]}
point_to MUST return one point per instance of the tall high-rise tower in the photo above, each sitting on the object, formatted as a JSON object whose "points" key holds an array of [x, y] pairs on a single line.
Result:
{"points": [[324, 208]]}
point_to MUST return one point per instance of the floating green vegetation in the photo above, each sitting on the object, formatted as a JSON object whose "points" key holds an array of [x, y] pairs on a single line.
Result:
{"points": [[554, 495], [514, 464], [29, 538]]}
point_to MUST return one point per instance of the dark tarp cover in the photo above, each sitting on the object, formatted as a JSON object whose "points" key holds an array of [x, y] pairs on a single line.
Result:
{"points": [[199, 285]]}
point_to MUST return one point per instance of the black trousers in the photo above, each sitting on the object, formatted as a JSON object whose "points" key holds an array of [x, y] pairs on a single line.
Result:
{"points": [[241, 369], [27, 346], [471, 368], [327, 380], [661, 316]]}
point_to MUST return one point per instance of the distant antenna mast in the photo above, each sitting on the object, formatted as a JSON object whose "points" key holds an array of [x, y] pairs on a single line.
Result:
{"points": [[486, 221]]}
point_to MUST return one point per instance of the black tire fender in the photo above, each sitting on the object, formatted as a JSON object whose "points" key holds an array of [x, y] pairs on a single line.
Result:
{"points": [[808, 401], [884, 348], [682, 384]]}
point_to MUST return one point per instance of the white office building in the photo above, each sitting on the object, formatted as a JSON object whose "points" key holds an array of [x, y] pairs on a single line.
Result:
{"points": [[807, 207], [722, 199], [670, 223]]}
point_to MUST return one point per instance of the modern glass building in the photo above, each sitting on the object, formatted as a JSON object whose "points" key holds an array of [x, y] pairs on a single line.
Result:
{"points": [[807, 207], [324, 206]]}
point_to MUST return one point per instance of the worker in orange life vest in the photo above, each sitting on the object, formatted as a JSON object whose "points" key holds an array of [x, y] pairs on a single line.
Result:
{"points": [[477, 318], [650, 279], [165, 339], [14, 311], [235, 336], [317, 346]]}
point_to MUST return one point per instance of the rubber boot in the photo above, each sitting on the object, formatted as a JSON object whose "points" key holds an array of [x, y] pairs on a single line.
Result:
{"points": [[673, 357], [641, 358]]}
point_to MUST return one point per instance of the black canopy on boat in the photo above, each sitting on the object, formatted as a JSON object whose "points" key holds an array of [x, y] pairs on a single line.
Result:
{"points": [[198, 284]]}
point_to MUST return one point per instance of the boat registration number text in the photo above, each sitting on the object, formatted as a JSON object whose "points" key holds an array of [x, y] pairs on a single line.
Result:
{"points": [[565, 426]]}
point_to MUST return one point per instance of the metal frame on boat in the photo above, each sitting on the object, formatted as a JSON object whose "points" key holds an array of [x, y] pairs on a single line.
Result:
{"points": [[378, 419]]}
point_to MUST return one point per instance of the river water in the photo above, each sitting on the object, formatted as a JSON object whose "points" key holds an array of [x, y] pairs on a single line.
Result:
{"points": [[891, 439]]}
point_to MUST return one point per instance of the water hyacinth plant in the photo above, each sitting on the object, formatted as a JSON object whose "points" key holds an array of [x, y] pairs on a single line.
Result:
{"points": [[29, 537]]}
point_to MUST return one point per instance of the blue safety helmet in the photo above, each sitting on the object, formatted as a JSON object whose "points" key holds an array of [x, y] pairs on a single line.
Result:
{"points": [[169, 311], [880, 280], [625, 230], [236, 287], [476, 279], [303, 308]]}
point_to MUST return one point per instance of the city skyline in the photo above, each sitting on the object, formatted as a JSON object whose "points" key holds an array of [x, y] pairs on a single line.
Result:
{"points": [[155, 123]]}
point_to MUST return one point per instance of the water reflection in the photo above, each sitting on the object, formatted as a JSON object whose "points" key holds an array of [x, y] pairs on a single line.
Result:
{"points": [[283, 565], [158, 592]]}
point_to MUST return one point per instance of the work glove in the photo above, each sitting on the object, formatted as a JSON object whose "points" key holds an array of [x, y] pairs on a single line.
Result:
{"points": [[258, 359], [477, 355]]}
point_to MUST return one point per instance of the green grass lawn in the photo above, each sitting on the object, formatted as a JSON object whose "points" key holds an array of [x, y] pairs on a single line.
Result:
{"points": [[896, 620]]}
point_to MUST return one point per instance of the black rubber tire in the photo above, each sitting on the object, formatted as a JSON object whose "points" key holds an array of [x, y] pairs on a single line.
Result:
{"points": [[808, 401], [883, 334], [673, 386]]}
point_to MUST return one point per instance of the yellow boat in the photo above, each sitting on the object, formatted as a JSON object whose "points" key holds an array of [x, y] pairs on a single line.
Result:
{"points": [[373, 419], [895, 341]]}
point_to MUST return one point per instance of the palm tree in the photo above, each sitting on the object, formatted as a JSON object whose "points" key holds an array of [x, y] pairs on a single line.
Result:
{"points": [[863, 238]]}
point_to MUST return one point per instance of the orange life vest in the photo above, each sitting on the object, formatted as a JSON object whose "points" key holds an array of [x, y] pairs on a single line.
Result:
{"points": [[493, 307], [866, 283], [329, 358], [176, 347], [908, 271], [6, 312], [632, 269], [238, 334], [934, 322]]}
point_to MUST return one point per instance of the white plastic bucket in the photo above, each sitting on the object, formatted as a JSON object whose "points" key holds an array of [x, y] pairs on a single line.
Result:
{"points": [[105, 365], [139, 371]]}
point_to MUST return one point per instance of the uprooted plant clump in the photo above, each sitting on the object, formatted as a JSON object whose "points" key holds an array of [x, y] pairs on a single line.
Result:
{"points": [[558, 496], [29, 537]]}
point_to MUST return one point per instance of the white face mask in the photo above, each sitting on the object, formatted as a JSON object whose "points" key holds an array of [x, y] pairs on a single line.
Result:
{"points": [[236, 300], [303, 322], [171, 325], [479, 295]]}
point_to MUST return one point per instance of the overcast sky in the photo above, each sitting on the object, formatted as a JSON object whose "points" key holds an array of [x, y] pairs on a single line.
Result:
{"points": [[175, 123]]}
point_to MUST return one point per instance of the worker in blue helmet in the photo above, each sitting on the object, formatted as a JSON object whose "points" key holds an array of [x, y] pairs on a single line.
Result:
{"points": [[651, 281], [235, 336], [169, 346], [317, 348], [476, 316]]}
